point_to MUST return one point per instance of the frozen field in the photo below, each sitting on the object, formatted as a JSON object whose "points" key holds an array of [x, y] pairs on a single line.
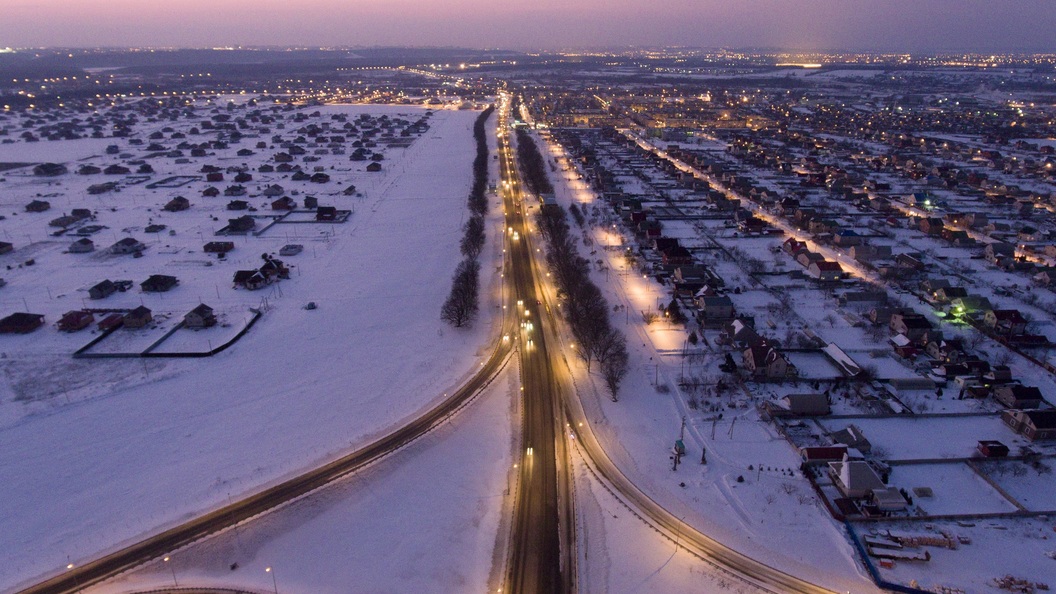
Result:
{"points": [[96, 453]]}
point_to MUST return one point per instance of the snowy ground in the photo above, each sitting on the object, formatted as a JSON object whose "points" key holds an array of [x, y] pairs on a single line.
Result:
{"points": [[771, 515], [424, 520], [94, 454]]}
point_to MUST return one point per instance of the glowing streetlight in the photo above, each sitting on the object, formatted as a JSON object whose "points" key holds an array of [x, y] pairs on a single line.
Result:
{"points": [[273, 582], [173, 568]]}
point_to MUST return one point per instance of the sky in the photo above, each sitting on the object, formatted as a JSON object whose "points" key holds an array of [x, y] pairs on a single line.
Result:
{"points": [[883, 25]]}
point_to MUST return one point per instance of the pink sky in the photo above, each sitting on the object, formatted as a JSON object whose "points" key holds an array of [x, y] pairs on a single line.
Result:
{"points": [[985, 25]]}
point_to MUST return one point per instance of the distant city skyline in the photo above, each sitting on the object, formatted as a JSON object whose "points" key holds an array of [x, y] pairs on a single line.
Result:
{"points": [[892, 25]]}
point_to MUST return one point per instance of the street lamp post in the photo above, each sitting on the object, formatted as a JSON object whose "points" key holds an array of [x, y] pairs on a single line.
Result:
{"points": [[274, 583], [173, 569]]}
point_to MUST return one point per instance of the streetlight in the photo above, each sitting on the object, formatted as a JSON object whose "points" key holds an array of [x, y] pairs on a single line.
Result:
{"points": [[173, 568], [273, 582]]}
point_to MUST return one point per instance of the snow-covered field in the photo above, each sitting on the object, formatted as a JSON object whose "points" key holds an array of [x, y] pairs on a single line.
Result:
{"points": [[424, 520], [96, 453]]}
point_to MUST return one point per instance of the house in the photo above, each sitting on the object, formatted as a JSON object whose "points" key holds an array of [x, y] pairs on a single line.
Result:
{"points": [[291, 249], [970, 304], [137, 318], [1035, 425], [998, 250], [273, 191], [102, 290], [822, 455], [792, 246], [931, 226], [21, 323], [6, 247], [867, 253], [799, 405], [1005, 321], [158, 283], [111, 321], [326, 213], [201, 316], [211, 192], [127, 245], [992, 449], [852, 437], [825, 270], [73, 321], [242, 224], [913, 325], [237, 205], [218, 247], [177, 204], [49, 170], [82, 246], [1017, 396], [807, 257], [232, 191], [715, 310], [274, 268], [374, 167], [763, 360], [284, 203], [250, 279], [854, 478], [948, 294], [847, 238], [38, 206]]}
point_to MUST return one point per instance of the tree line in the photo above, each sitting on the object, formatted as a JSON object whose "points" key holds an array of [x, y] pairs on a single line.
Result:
{"points": [[532, 166], [464, 299], [586, 308]]}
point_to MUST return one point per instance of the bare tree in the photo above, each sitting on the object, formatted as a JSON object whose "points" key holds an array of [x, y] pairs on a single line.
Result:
{"points": [[473, 237], [615, 366], [462, 303]]}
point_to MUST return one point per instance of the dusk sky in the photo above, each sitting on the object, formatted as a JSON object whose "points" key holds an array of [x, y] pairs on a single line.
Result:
{"points": [[898, 25]]}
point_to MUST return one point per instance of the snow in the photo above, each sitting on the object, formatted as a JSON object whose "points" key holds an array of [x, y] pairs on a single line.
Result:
{"points": [[426, 519], [96, 453]]}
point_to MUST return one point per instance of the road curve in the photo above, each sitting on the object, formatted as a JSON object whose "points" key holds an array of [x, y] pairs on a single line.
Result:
{"points": [[158, 545]]}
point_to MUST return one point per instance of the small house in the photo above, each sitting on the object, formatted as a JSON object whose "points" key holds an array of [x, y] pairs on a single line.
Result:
{"points": [[73, 321], [1035, 425], [1018, 396], [201, 316], [137, 318], [284, 203], [326, 213], [242, 224], [111, 321], [127, 245], [38, 206], [21, 323], [177, 204], [82, 246], [854, 478], [218, 247], [102, 290], [159, 283], [250, 279]]}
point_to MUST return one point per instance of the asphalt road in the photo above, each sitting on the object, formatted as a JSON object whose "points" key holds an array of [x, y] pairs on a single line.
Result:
{"points": [[157, 546], [542, 548]]}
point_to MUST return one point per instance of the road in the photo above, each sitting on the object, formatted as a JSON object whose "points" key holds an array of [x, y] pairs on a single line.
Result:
{"points": [[93, 572], [542, 547], [685, 535]]}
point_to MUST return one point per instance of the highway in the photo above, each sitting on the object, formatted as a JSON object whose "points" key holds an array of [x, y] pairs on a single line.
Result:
{"points": [[572, 416], [542, 548]]}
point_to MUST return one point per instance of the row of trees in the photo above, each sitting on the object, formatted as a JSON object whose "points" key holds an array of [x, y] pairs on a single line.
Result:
{"points": [[586, 309], [532, 166], [464, 300]]}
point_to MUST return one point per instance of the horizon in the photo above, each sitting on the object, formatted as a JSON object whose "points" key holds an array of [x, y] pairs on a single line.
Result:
{"points": [[929, 26]]}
